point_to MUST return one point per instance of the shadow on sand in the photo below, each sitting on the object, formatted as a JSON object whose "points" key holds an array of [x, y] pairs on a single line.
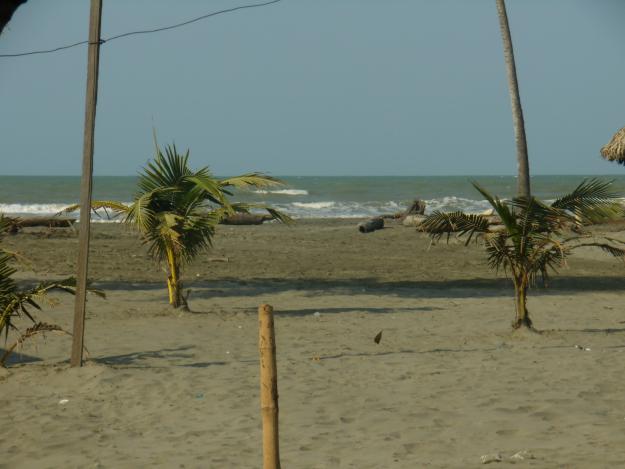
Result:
{"points": [[459, 288], [144, 359]]}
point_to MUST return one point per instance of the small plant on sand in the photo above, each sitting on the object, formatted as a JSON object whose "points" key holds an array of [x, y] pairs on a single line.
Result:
{"points": [[534, 237], [176, 211], [16, 302]]}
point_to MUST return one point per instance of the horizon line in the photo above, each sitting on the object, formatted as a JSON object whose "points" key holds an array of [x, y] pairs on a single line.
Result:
{"points": [[338, 175]]}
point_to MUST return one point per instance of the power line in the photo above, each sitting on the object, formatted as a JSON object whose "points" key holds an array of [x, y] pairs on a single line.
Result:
{"points": [[145, 31]]}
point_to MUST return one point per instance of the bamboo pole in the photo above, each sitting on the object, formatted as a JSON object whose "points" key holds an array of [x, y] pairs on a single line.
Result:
{"points": [[268, 388], [93, 65]]}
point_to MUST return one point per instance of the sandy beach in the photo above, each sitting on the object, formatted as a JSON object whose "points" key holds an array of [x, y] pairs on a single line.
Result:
{"points": [[448, 383]]}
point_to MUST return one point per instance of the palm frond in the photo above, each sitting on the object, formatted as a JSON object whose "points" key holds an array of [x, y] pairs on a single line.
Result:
{"points": [[500, 255], [440, 223], [592, 200], [140, 212], [273, 213], [500, 207], [246, 181], [210, 186], [38, 328], [605, 247], [15, 302], [116, 207]]}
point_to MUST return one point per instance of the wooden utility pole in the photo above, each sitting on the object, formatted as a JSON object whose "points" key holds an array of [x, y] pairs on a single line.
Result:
{"points": [[93, 64], [268, 388], [523, 166]]}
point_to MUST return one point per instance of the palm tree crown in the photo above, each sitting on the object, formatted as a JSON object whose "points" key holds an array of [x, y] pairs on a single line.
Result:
{"points": [[176, 210], [531, 239]]}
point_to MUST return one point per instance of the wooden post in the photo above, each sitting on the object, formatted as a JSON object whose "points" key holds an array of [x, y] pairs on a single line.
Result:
{"points": [[93, 63], [268, 388]]}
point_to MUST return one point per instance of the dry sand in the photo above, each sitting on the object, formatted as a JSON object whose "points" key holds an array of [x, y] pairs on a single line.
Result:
{"points": [[448, 383]]}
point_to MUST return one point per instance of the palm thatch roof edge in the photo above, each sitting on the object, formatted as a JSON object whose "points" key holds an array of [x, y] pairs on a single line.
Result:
{"points": [[615, 149]]}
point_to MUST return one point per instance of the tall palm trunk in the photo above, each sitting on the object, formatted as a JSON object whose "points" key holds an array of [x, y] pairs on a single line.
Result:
{"points": [[174, 283], [523, 169], [521, 284]]}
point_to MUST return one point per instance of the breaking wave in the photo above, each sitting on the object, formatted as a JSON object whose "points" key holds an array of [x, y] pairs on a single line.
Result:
{"points": [[283, 192], [315, 209]]}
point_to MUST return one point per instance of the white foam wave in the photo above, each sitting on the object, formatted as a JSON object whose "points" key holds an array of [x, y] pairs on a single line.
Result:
{"points": [[314, 205], [283, 192], [452, 203], [51, 210], [33, 209], [311, 209]]}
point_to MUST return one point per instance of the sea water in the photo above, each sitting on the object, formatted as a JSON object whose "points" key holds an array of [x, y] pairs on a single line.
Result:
{"points": [[303, 196]]}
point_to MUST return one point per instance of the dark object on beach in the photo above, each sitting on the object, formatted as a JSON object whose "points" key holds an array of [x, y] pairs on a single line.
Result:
{"points": [[16, 224], [378, 338], [416, 208], [371, 225], [246, 219]]}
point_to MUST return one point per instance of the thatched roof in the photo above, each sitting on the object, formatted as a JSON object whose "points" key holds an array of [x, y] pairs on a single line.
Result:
{"points": [[615, 149], [7, 8]]}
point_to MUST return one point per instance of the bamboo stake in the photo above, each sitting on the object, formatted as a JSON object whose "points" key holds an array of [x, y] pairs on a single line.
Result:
{"points": [[268, 388], [93, 64]]}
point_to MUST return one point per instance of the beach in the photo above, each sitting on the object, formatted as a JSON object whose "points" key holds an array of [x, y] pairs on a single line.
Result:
{"points": [[448, 383]]}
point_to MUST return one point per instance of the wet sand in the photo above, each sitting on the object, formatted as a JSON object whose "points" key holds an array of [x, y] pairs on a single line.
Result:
{"points": [[448, 383]]}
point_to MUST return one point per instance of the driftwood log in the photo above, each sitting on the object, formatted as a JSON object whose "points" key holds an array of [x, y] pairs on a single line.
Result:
{"points": [[417, 207], [246, 219], [371, 225], [16, 224]]}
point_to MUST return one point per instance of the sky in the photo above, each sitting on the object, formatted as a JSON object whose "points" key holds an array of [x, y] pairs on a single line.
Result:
{"points": [[317, 87]]}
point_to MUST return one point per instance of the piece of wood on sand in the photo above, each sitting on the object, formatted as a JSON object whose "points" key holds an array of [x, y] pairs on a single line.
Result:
{"points": [[16, 224], [371, 225], [268, 387], [416, 208], [245, 219]]}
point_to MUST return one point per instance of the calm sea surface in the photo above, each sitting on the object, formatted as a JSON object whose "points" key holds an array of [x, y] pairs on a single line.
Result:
{"points": [[343, 197]]}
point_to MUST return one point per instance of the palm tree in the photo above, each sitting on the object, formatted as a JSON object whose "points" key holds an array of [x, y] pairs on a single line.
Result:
{"points": [[531, 240], [176, 211], [16, 302], [523, 167]]}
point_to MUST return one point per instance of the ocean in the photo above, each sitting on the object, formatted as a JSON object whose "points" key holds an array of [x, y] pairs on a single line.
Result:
{"points": [[303, 196]]}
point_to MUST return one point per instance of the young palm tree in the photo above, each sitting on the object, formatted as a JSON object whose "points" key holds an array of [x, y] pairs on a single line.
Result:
{"points": [[16, 302], [177, 209], [531, 241]]}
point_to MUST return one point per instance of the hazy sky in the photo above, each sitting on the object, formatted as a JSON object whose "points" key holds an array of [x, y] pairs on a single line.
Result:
{"points": [[318, 87]]}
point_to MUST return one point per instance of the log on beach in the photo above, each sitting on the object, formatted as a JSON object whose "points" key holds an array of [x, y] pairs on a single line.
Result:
{"points": [[16, 224], [417, 207], [246, 219], [371, 225]]}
